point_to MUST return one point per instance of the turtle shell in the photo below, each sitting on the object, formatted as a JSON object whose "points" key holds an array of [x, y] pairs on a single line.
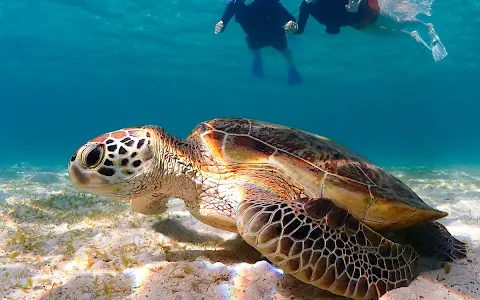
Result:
{"points": [[318, 167]]}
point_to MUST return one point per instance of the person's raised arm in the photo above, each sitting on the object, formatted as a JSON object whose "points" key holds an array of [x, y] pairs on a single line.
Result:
{"points": [[227, 16]]}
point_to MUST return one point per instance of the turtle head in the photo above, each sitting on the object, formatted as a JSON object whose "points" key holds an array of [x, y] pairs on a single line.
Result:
{"points": [[115, 164]]}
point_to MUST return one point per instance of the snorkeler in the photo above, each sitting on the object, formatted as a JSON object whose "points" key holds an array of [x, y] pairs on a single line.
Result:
{"points": [[264, 22], [365, 15]]}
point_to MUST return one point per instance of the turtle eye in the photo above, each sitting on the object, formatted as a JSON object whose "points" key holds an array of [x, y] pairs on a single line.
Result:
{"points": [[92, 155]]}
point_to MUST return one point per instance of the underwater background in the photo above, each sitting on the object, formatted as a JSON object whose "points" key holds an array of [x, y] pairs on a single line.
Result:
{"points": [[71, 70]]}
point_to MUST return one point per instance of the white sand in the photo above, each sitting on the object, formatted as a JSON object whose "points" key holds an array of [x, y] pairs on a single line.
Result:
{"points": [[56, 244]]}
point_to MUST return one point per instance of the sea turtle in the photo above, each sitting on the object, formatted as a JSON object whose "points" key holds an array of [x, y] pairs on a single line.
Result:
{"points": [[311, 206]]}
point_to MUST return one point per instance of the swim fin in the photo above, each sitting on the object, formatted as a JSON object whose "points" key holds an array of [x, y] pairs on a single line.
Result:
{"points": [[293, 77], [438, 49], [257, 67], [414, 34]]}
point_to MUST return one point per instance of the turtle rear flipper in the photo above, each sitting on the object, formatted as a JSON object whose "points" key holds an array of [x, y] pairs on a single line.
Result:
{"points": [[324, 245], [433, 239]]}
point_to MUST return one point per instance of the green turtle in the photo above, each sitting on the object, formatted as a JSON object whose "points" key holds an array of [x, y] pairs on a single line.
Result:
{"points": [[312, 207]]}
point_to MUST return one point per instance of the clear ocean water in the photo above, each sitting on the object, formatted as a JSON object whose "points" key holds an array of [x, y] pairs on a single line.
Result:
{"points": [[71, 70]]}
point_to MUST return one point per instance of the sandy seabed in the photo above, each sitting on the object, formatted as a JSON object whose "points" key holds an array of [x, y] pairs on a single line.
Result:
{"points": [[57, 243]]}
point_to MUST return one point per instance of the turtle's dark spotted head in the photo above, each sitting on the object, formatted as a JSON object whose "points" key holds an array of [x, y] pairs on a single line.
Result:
{"points": [[114, 164]]}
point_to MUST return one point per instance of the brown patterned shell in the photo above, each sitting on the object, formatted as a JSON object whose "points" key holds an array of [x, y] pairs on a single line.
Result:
{"points": [[318, 167]]}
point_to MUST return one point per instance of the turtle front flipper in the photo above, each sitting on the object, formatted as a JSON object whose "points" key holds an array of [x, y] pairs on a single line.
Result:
{"points": [[150, 204], [324, 245], [433, 239]]}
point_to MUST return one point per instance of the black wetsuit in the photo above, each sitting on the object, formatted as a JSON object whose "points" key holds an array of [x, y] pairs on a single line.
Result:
{"points": [[262, 21], [333, 14]]}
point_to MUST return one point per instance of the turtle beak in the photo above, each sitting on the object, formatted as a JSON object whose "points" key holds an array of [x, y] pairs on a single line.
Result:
{"points": [[90, 181]]}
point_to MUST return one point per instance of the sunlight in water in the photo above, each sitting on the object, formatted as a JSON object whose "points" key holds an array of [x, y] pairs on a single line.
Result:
{"points": [[242, 275], [138, 275], [231, 282]]}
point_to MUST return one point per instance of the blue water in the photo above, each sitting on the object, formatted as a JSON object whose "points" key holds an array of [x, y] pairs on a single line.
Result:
{"points": [[73, 69]]}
